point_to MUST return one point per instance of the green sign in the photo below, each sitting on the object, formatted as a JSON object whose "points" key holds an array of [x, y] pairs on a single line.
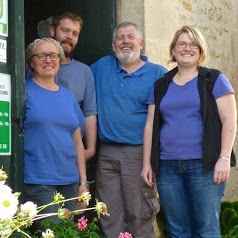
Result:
{"points": [[5, 114], [4, 17]]}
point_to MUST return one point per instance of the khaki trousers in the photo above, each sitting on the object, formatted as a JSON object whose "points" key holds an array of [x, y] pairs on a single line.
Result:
{"points": [[132, 205]]}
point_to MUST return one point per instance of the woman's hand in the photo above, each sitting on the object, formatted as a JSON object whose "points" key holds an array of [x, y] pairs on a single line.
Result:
{"points": [[221, 170], [147, 175], [81, 189]]}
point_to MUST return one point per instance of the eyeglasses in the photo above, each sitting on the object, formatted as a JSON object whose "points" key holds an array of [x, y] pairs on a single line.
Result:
{"points": [[43, 56], [183, 45]]}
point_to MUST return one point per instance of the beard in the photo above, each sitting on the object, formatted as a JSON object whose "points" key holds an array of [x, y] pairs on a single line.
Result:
{"points": [[68, 51], [127, 58]]}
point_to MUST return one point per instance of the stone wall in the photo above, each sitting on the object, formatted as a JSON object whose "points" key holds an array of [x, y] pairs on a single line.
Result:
{"points": [[217, 20]]}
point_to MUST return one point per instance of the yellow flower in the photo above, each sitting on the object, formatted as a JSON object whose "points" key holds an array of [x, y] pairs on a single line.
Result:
{"points": [[58, 197], [64, 213], [101, 208], [3, 176], [86, 197]]}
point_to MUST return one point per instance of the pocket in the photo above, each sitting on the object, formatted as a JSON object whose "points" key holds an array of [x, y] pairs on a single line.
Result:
{"points": [[150, 205]]}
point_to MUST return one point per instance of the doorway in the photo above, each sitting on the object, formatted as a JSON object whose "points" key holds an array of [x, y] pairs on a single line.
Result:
{"points": [[98, 17]]}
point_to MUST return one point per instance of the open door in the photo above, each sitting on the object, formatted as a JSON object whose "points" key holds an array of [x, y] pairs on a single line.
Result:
{"points": [[98, 17]]}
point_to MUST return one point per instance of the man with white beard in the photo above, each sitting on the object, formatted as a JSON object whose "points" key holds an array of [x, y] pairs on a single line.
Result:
{"points": [[123, 83]]}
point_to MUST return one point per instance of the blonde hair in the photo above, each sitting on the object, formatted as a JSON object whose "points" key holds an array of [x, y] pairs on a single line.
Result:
{"points": [[31, 47], [196, 37]]}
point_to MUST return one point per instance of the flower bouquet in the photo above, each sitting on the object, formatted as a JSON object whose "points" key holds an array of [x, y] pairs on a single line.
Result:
{"points": [[15, 218]]}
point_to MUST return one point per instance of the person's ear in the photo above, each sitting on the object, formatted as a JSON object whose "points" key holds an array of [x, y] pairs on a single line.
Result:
{"points": [[142, 42], [52, 31], [113, 46]]}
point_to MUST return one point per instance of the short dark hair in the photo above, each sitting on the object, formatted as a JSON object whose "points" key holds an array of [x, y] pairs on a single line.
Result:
{"points": [[66, 15]]}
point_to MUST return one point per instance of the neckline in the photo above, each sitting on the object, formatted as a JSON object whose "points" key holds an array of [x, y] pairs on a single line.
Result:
{"points": [[186, 83], [43, 87]]}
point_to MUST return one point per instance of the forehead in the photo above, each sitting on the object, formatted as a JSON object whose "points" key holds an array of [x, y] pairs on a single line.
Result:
{"points": [[68, 23], [126, 31], [45, 46], [183, 37]]}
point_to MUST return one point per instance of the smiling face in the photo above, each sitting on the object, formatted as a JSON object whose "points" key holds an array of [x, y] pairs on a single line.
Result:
{"points": [[127, 44], [184, 51], [45, 68], [67, 33]]}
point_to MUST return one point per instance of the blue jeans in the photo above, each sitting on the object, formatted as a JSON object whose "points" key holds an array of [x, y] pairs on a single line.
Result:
{"points": [[44, 194], [190, 199]]}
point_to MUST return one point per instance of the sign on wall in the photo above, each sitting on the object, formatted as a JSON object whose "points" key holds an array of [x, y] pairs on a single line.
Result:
{"points": [[5, 114], [3, 17], [3, 50]]}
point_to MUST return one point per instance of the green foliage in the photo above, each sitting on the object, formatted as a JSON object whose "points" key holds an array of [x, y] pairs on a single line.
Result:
{"points": [[66, 229], [69, 229], [229, 219]]}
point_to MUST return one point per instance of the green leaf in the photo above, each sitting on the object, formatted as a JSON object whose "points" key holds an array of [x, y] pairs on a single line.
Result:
{"points": [[234, 221], [227, 214], [226, 204], [234, 232]]}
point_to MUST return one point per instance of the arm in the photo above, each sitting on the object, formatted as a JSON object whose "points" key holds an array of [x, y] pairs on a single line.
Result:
{"points": [[90, 136], [146, 173], [228, 116], [80, 160]]}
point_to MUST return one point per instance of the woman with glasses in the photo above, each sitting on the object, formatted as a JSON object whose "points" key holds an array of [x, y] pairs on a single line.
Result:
{"points": [[53, 150], [188, 139]]}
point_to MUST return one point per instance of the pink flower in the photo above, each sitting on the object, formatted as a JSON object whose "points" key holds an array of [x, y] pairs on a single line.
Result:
{"points": [[125, 235], [82, 223]]}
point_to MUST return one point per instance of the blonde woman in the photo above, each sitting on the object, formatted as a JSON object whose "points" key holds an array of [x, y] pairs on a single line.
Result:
{"points": [[188, 139]]}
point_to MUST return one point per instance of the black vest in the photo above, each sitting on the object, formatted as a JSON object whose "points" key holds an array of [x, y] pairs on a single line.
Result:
{"points": [[211, 139]]}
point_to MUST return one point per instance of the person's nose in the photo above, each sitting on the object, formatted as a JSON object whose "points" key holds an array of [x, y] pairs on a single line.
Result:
{"points": [[126, 39], [48, 59], [188, 47], [70, 35]]}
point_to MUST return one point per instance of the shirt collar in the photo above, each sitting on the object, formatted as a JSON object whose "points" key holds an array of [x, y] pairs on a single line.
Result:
{"points": [[138, 71]]}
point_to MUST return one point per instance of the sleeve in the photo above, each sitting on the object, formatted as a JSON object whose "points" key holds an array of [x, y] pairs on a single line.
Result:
{"points": [[222, 87], [79, 113], [89, 105], [162, 72], [151, 99]]}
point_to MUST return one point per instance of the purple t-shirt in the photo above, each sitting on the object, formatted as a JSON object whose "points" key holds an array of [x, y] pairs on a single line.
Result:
{"points": [[181, 132]]}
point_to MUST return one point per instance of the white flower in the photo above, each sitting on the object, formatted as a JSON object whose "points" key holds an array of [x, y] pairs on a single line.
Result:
{"points": [[8, 204], [5, 189], [48, 234], [28, 209]]}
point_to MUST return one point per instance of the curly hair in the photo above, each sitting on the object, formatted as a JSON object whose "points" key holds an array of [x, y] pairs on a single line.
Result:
{"points": [[31, 47]]}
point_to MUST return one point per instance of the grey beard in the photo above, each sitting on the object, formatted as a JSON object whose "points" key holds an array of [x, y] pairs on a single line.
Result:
{"points": [[127, 58]]}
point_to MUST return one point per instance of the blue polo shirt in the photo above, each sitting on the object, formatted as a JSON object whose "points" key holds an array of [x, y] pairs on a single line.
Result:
{"points": [[122, 99]]}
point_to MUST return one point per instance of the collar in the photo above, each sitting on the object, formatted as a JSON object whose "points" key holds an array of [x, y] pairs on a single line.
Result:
{"points": [[139, 71]]}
